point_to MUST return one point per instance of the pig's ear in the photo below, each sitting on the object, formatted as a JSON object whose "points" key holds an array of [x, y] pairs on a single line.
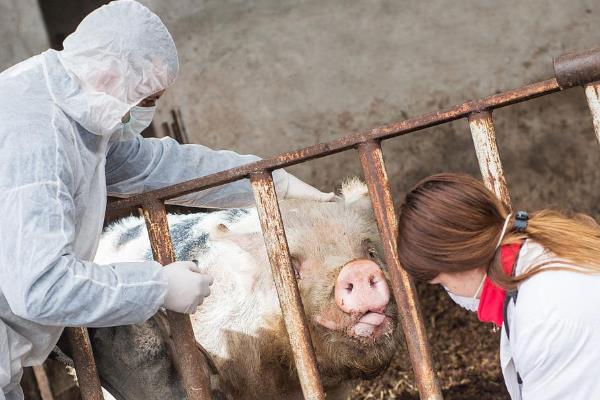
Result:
{"points": [[354, 193]]}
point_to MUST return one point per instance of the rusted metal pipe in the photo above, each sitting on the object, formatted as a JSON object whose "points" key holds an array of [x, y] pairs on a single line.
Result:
{"points": [[43, 383], [484, 139], [371, 159], [344, 143], [286, 285], [85, 366], [188, 359], [577, 68], [592, 93]]}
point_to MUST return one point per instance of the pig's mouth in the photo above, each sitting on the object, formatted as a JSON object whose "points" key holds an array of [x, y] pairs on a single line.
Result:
{"points": [[370, 326]]}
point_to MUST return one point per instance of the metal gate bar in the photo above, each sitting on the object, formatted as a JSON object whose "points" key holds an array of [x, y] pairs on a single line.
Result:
{"points": [[582, 69], [576, 69], [344, 143], [285, 283], [484, 139], [85, 367], [371, 158], [592, 93], [188, 359]]}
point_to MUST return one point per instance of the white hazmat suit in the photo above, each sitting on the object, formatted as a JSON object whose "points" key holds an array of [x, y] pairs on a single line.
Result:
{"points": [[62, 149]]}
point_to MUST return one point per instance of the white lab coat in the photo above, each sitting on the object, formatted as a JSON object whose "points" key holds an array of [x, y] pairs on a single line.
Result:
{"points": [[61, 152], [554, 333]]}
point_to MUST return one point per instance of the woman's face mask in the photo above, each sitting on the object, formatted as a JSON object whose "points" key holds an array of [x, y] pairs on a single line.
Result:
{"points": [[468, 303], [139, 119]]}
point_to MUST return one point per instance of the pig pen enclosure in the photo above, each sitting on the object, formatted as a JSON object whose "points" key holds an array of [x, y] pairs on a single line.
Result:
{"points": [[571, 70]]}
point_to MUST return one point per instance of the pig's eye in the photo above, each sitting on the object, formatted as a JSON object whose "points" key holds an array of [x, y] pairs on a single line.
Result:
{"points": [[296, 266], [369, 249], [372, 253]]}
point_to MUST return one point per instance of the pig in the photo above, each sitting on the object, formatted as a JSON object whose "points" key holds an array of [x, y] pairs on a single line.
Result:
{"points": [[343, 281]]}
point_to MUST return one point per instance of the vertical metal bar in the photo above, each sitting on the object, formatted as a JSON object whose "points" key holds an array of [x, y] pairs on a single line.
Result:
{"points": [[484, 138], [187, 357], [43, 383], [286, 285], [85, 367], [592, 93], [371, 158]]}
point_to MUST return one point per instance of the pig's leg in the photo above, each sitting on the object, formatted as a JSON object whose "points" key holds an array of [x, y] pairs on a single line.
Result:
{"points": [[134, 362]]}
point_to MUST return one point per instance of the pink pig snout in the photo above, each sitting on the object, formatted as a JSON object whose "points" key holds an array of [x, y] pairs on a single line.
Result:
{"points": [[361, 288]]}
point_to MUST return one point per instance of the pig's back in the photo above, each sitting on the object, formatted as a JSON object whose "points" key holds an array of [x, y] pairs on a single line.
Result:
{"points": [[243, 290], [127, 240]]}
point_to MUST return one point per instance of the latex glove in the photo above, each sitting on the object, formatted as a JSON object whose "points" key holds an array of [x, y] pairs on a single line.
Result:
{"points": [[298, 189], [187, 287]]}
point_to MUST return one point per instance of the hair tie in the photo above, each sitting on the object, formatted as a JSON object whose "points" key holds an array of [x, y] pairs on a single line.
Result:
{"points": [[521, 221], [503, 230]]}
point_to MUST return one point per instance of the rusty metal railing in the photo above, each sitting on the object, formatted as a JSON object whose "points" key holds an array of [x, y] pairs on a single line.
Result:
{"points": [[576, 69]]}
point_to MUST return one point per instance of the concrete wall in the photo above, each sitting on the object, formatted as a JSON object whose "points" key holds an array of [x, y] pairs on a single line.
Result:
{"points": [[266, 77], [22, 31]]}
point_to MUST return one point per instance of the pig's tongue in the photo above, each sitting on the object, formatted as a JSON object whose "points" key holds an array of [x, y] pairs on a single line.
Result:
{"points": [[367, 324], [372, 318]]}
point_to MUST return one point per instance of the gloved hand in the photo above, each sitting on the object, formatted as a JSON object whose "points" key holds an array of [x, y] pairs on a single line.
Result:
{"points": [[298, 189], [187, 287]]}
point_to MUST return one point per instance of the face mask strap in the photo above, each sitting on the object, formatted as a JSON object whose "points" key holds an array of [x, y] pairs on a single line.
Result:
{"points": [[519, 225], [506, 221], [480, 286]]}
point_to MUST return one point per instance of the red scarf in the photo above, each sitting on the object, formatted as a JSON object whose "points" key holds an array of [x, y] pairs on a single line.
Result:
{"points": [[491, 302]]}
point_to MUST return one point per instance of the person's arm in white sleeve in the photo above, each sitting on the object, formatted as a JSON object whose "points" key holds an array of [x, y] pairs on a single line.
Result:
{"points": [[43, 281], [142, 164]]}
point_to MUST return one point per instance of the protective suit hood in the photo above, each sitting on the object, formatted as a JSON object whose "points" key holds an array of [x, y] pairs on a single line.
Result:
{"points": [[118, 55]]}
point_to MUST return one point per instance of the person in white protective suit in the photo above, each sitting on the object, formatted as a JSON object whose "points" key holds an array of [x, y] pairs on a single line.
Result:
{"points": [[63, 148], [537, 276]]}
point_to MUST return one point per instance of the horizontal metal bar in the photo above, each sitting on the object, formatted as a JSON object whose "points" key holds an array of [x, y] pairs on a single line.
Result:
{"points": [[344, 143], [85, 366], [371, 158], [592, 93], [188, 359], [286, 285], [577, 68], [484, 139]]}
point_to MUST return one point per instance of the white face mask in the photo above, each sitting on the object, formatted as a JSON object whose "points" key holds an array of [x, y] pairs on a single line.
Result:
{"points": [[139, 119], [468, 303]]}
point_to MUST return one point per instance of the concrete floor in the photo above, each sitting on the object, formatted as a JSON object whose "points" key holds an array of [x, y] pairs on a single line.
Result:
{"points": [[266, 77]]}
